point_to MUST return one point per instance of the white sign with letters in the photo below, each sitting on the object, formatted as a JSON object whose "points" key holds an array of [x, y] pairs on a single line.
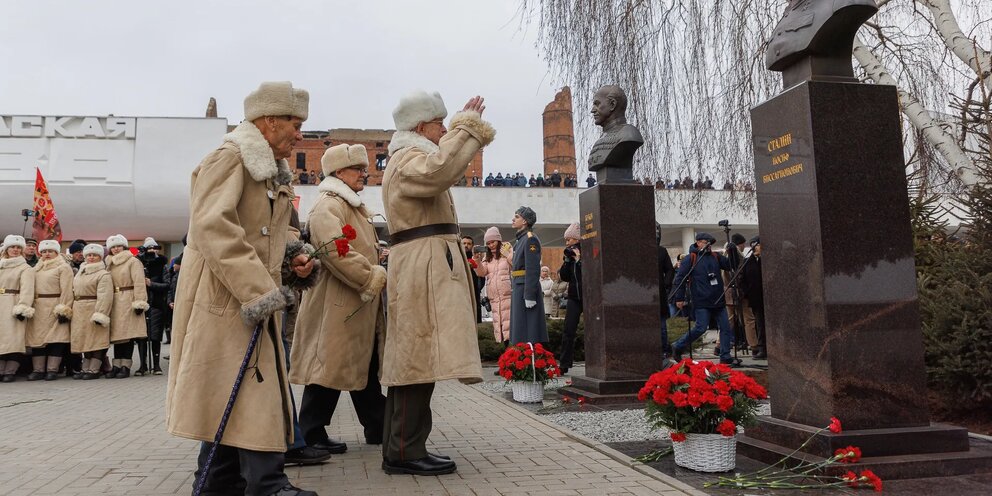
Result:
{"points": [[36, 126]]}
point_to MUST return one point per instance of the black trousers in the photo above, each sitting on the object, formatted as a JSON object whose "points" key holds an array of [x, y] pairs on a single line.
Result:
{"points": [[319, 403], [237, 471], [573, 310], [408, 422]]}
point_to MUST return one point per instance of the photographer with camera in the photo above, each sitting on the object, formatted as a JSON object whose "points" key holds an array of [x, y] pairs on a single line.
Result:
{"points": [[158, 284], [699, 279], [571, 273], [495, 267]]}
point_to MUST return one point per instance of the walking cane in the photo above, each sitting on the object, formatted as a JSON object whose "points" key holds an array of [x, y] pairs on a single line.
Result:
{"points": [[227, 410]]}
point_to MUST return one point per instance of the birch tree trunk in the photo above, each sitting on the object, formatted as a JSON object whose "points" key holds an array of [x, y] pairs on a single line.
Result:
{"points": [[918, 116], [963, 47]]}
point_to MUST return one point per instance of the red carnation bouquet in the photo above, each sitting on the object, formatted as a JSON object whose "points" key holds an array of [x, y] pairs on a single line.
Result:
{"points": [[701, 397], [524, 362], [340, 242]]}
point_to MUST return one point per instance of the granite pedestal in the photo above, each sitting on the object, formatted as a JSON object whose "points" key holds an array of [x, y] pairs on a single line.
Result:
{"points": [[841, 311], [620, 293]]}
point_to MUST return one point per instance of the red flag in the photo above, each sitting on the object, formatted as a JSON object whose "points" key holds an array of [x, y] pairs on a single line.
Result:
{"points": [[46, 221]]}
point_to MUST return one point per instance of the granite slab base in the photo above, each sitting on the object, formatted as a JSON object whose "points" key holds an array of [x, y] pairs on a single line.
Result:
{"points": [[934, 450]]}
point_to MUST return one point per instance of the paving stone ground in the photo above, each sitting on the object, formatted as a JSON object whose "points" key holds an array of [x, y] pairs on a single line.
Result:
{"points": [[108, 437]]}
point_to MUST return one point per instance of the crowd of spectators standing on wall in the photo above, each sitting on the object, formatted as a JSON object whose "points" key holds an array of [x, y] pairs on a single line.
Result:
{"points": [[701, 184], [69, 308]]}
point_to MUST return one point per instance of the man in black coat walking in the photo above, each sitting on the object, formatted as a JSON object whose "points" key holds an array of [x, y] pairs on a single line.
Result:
{"points": [[666, 274]]}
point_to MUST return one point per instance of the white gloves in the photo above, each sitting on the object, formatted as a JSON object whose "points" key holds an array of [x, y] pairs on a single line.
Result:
{"points": [[530, 303]]}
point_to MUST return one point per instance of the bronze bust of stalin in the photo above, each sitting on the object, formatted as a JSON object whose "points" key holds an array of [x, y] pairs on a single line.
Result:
{"points": [[813, 40]]}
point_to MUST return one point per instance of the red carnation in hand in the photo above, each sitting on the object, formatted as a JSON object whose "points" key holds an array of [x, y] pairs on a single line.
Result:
{"points": [[873, 479], [349, 232], [727, 428], [472, 263], [835, 425], [342, 246], [678, 437], [849, 454]]}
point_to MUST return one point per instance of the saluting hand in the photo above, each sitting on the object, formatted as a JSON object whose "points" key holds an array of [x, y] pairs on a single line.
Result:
{"points": [[475, 104]]}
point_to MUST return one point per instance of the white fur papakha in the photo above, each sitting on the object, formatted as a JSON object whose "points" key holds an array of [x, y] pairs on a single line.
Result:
{"points": [[343, 156], [116, 240], [418, 107], [95, 249], [13, 240], [277, 98], [49, 244]]}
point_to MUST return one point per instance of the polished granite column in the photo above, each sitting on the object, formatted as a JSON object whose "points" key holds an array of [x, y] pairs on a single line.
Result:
{"points": [[621, 302], [841, 311]]}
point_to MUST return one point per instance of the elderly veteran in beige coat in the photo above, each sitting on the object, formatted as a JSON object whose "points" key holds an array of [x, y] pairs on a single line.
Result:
{"points": [[48, 331], [16, 304], [430, 335], [334, 350], [239, 238], [127, 322], [93, 301]]}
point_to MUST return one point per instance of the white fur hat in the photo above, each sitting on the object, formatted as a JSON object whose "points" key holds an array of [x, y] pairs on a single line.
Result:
{"points": [[94, 249], [115, 240], [342, 156], [13, 240], [277, 98], [418, 107], [150, 242], [573, 231], [49, 244]]}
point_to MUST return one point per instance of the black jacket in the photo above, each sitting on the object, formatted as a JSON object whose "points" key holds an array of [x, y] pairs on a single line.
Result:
{"points": [[666, 274], [751, 282], [571, 272], [155, 269]]}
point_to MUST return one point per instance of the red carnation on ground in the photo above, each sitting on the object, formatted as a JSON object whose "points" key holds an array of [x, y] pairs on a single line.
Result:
{"points": [[849, 454], [342, 246], [835, 425], [851, 478], [727, 428], [873, 479], [349, 232], [582, 400], [678, 437]]}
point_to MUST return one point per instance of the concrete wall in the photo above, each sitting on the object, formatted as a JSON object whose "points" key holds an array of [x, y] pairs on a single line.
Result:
{"points": [[137, 186]]}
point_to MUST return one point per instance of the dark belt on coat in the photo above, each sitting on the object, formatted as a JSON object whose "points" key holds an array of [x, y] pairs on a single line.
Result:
{"points": [[53, 295], [85, 298], [9, 291], [422, 232], [123, 288]]}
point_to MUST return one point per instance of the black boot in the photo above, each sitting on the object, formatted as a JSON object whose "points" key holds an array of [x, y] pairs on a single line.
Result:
{"points": [[113, 373], [142, 355], [156, 350]]}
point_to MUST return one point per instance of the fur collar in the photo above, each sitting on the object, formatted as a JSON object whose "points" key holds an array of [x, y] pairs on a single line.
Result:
{"points": [[256, 154], [406, 139], [120, 258], [49, 264], [89, 268], [9, 263], [335, 186]]}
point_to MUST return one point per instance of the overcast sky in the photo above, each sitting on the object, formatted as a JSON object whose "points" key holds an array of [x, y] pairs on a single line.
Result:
{"points": [[140, 58]]}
